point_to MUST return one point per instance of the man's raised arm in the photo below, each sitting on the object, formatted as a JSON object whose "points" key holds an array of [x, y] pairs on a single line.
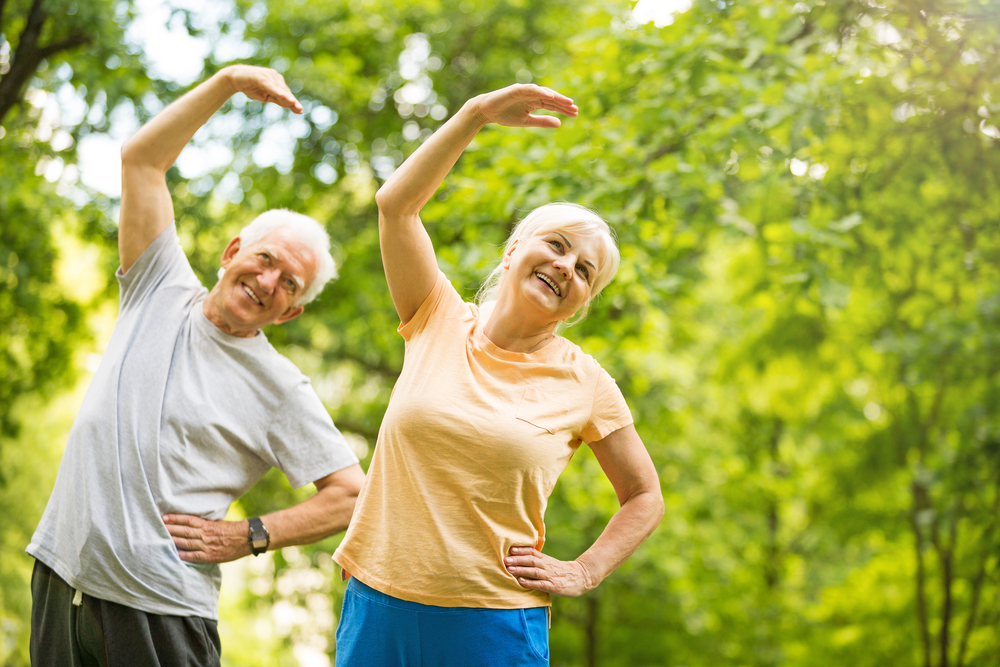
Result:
{"points": [[146, 209]]}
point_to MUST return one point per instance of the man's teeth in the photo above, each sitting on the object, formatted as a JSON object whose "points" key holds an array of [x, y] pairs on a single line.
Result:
{"points": [[551, 284], [251, 295]]}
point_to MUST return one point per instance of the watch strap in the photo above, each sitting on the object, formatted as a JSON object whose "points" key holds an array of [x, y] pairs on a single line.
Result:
{"points": [[258, 537]]}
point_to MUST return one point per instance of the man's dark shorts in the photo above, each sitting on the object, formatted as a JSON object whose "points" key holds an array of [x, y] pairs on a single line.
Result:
{"points": [[89, 632]]}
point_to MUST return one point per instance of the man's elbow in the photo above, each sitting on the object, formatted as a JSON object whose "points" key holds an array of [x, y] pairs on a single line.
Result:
{"points": [[348, 483]]}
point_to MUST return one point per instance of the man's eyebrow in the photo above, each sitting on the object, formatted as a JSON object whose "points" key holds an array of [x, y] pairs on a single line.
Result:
{"points": [[570, 245]]}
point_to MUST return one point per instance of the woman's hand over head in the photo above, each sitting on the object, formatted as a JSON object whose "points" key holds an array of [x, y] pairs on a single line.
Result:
{"points": [[262, 84], [513, 106], [541, 572]]}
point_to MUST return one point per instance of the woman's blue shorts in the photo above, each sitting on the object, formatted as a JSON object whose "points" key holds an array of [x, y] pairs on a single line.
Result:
{"points": [[377, 630]]}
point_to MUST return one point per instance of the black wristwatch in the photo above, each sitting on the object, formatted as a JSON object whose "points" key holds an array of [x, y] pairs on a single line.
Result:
{"points": [[258, 537]]}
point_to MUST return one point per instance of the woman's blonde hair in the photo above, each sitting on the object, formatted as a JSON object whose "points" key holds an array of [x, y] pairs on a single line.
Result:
{"points": [[561, 216]]}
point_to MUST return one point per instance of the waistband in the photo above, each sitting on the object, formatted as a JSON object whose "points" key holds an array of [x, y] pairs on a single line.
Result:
{"points": [[362, 589]]}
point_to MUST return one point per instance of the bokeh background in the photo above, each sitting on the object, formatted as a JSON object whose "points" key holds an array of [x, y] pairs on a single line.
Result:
{"points": [[806, 323]]}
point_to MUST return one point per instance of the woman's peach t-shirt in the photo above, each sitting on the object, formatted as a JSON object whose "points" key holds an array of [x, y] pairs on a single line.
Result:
{"points": [[469, 451]]}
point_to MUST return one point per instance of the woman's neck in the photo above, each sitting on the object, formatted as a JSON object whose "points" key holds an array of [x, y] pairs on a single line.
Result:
{"points": [[512, 331]]}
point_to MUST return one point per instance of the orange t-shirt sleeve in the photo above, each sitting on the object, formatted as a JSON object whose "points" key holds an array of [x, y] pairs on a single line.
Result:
{"points": [[610, 411], [443, 301]]}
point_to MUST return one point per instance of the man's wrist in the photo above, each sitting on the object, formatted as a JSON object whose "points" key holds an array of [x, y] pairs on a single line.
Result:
{"points": [[258, 536]]}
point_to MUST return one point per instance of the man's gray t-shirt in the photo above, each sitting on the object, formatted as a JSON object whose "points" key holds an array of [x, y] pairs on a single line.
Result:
{"points": [[179, 418]]}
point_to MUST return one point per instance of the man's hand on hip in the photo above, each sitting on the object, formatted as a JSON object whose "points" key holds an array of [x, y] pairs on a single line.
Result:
{"points": [[201, 541]]}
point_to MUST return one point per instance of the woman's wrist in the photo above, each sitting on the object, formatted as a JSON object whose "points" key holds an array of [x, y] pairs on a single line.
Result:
{"points": [[475, 109], [227, 79], [590, 582]]}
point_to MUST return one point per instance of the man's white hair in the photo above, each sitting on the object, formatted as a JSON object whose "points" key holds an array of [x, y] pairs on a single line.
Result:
{"points": [[306, 231]]}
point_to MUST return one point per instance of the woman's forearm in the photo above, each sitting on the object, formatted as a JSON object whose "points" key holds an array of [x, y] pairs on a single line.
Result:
{"points": [[628, 528], [413, 184], [160, 141]]}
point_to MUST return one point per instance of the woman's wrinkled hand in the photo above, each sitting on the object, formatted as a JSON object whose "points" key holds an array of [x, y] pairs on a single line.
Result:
{"points": [[262, 84], [541, 572], [513, 106]]}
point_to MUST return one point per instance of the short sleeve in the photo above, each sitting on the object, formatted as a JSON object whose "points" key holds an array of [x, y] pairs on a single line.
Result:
{"points": [[443, 302], [303, 442], [162, 264], [609, 412]]}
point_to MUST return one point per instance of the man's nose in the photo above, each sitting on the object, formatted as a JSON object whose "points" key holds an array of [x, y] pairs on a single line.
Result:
{"points": [[269, 279]]}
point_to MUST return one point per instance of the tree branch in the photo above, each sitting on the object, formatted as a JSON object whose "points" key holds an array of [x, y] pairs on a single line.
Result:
{"points": [[977, 584], [29, 55], [2, 5], [24, 61], [921, 581], [946, 555], [71, 42]]}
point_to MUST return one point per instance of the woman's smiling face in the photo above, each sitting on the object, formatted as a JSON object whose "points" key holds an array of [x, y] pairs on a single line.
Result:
{"points": [[551, 273]]}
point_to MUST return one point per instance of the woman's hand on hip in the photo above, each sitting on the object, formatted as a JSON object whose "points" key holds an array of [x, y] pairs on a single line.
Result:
{"points": [[541, 572], [513, 106]]}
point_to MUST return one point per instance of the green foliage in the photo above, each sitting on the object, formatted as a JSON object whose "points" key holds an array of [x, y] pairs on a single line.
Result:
{"points": [[806, 323]]}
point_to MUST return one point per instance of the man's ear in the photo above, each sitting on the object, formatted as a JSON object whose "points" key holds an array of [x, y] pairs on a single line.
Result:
{"points": [[231, 249], [290, 314], [506, 256]]}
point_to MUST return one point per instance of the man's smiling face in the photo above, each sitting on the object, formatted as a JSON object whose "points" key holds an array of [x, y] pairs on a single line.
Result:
{"points": [[262, 283]]}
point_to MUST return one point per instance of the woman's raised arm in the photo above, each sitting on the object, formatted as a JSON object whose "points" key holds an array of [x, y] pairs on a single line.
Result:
{"points": [[407, 253]]}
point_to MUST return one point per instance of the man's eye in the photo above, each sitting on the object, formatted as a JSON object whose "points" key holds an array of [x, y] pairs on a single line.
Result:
{"points": [[265, 256]]}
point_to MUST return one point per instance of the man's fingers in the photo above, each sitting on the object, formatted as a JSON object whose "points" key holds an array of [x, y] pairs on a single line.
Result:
{"points": [[176, 530], [192, 556], [186, 544]]}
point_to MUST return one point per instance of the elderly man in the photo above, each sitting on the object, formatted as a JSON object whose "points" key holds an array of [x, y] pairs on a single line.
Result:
{"points": [[189, 408]]}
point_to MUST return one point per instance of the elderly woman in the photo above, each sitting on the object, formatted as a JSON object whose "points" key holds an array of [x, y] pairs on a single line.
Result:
{"points": [[445, 546]]}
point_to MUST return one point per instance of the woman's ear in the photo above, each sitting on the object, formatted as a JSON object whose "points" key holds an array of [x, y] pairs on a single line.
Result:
{"points": [[506, 256]]}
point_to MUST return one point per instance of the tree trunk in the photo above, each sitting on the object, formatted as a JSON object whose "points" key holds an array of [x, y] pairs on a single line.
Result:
{"points": [[921, 581], [29, 54], [592, 625], [772, 564]]}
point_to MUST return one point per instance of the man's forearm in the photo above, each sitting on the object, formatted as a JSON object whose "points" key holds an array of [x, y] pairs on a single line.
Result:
{"points": [[158, 143], [324, 514], [329, 511]]}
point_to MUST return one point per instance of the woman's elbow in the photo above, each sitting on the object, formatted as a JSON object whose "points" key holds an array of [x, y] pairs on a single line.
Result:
{"points": [[384, 198], [130, 152], [659, 508]]}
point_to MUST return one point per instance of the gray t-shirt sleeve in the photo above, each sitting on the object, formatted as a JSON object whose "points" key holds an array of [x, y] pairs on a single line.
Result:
{"points": [[290, 444], [163, 264]]}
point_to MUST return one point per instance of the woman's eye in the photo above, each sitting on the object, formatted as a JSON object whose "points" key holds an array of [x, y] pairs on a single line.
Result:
{"points": [[556, 244], [583, 270]]}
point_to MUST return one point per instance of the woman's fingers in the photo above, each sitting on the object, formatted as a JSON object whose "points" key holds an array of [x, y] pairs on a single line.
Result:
{"points": [[265, 85], [541, 572], [514, 106]]}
